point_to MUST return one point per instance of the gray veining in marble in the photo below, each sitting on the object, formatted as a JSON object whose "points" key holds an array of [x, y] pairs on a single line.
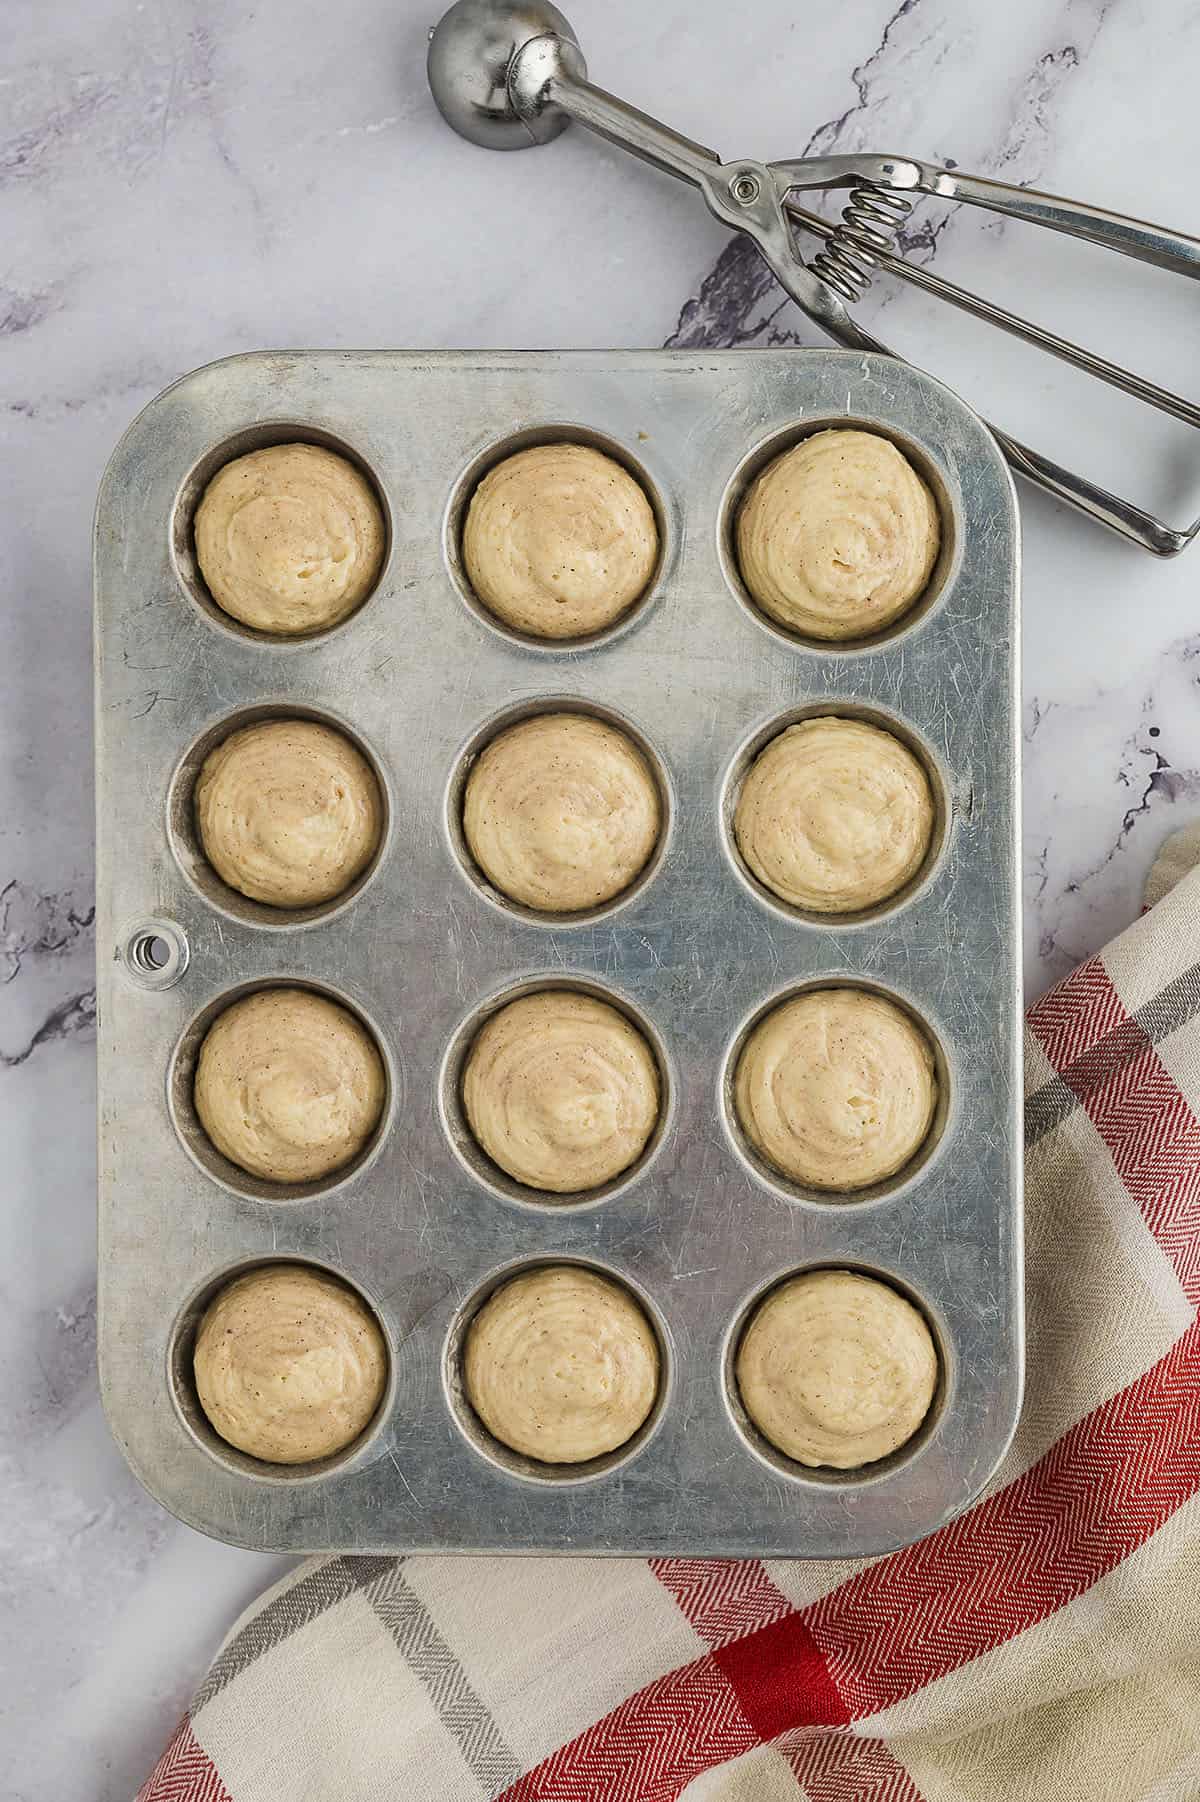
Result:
{"points": [[179, 181]]}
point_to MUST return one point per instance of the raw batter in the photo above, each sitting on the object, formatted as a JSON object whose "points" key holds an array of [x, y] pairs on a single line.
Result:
{"points": [[289, 539], [838, 536], [561, 812], [289, 1086], [561, 1364], [834, 815], [836, 1088], [836, 1369], [288, 812], [561, 1090], [559, 540], [290, 1364]]}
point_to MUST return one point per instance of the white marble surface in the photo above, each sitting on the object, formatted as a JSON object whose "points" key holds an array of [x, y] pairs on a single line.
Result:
{"points": [[180, 180]]}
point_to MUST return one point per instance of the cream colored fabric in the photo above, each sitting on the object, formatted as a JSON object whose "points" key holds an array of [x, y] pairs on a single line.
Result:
{"points": [[834, 815], [288, 812], [1117, 1666], [561, 1090], [289, 539], [561, 812], [1178, 853], [561, 1364], [289, 1086], [290, 1364], [838, 537], [559, 540], [532, 1614]]}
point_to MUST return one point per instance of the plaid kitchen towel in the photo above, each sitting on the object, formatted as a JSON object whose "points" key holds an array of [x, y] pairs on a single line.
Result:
{"points": [[1045, 1644]]}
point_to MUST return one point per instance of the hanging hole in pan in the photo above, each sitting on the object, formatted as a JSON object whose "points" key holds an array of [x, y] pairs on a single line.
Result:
{"points": [[155, 953], [931, 472]]}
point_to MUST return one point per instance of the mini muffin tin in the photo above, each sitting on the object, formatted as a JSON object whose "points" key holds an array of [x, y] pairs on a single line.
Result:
{"points": [[422, 950]]}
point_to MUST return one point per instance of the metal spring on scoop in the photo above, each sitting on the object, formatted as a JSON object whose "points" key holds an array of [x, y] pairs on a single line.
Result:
{"points": [[847, 260]]}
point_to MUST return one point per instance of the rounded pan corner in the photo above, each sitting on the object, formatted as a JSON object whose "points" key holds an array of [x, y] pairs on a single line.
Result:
{"points": [[972, 423], [917, 1527], [882, 366], [154, 1479], [991, 1454], [168, 1483], [147, 414]]}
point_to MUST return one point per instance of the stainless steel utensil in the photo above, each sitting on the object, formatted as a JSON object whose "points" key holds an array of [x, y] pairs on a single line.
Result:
{"points": [[421, 676], [509, 73]]}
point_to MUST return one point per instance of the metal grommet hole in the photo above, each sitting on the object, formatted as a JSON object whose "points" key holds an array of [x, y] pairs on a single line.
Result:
{"points": [[155, 954]]}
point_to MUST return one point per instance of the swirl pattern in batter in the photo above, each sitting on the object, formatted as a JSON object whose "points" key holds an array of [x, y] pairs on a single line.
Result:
{"points": [[289, 1086], [290, 1364], [288, 812], [559, 540], [561, 1364], [561, 1091], [836, 1088], [836, 1369], [561, 812], [834, 815], [838, 537], [289, 539]]}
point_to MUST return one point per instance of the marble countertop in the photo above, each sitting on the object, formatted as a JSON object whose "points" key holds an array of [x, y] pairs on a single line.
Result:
{"points": [[180, 181]]}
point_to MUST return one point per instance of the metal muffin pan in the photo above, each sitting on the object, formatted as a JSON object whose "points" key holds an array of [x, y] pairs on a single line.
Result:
{"points": [[423, 1227]]}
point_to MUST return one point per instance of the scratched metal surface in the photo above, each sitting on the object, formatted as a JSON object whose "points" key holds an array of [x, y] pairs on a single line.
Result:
{"points": [[699, 1231]]}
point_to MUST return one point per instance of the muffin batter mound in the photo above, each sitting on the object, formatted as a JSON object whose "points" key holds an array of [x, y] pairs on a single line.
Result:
{"points": [[561, 1090], [561, 1364], [836, 1088], [834, 816], [561, 812], [289, 1086], [838, 536], [836, 1369], [288, 812], [289, 1364], [289, 539], [559, 541]]}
